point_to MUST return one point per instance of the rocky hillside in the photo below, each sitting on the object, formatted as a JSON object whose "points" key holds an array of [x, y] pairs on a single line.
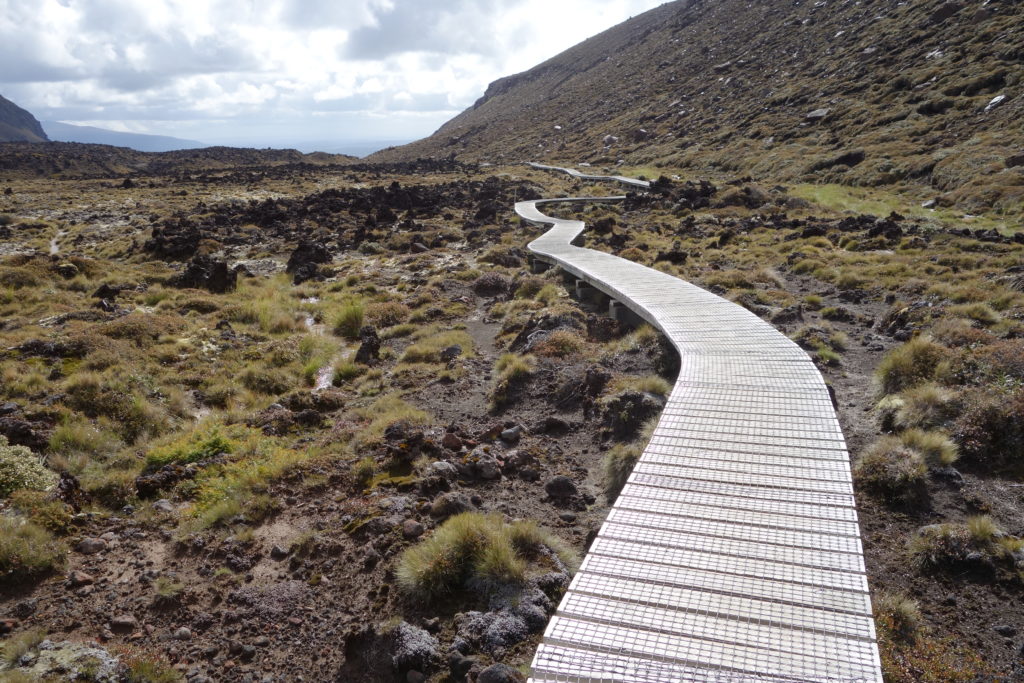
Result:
{"points": [[17, 125], [858, 93]]}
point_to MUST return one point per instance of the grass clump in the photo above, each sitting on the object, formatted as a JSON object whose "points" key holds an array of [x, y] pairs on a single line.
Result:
{"points": [[387, 313], [363, 471], [899, 615], [893, 470], [909, 365], [384, 412], [349, 320], [620, 460], [512, 371], [935, 448], [649, 384], [20, 468], [200, 444], [978, 543], [428, 347], [345, 371], [167, 592], [27, 550], [20, 644], [925, 406], [142, 667], [559, 344], [476, 552]]}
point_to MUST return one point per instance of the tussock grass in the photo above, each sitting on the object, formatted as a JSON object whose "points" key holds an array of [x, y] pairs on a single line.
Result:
{"points": [[384, 412], [478, 552], [620, 460], [909, 365], [936, 449], [511, 371], [899, 615], [204, 442], [952, 545], [27, 550], [428, 346], [893, 470], [348, 320], [20, 644]]}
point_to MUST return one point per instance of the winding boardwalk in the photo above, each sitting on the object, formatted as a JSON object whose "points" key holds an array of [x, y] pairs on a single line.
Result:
{"points": [[733, 552]]}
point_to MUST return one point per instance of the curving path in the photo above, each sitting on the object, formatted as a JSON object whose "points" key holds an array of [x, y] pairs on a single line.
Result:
{"points": [[733, 553]]}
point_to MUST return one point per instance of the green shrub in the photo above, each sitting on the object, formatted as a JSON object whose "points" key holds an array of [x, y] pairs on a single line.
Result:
{"points": [[473, 551], [200, 444], [349, 320], [20, 468], [893, 470], [267, 381], [43, 509], [27, 550], [990, 427], [909, 365], [363, 471]]}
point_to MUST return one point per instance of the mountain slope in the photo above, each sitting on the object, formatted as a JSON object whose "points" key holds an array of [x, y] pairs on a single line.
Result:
{"points": [[66, 132], [17, 125], [860, 93]]}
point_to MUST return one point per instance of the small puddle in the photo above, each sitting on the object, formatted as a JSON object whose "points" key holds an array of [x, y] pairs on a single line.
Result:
{"points": [[54, 246], [325, 375]]}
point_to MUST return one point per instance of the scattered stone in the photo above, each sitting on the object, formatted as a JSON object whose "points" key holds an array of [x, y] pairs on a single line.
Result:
{"points": [[451, 442], [1005, 630], [512, 434], [561, 486], [450, 353], [78, 578], [163, 505], [568, 517], [818, 114], [278, 553], [183, 633], [995, 102], [123, 623], [91, 546], [451, 503], [412, 529]]}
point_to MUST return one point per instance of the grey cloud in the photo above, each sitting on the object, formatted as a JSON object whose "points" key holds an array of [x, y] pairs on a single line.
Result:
{"points": [[440, 26]]}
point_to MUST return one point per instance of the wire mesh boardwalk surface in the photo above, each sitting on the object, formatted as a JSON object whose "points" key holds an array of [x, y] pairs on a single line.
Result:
{"points": [[733, 552]]}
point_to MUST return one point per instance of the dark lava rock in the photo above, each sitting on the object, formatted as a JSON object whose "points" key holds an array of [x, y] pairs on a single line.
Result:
{"points": [[24, 433], [561, 486], [204, 272], [451, 503], [150, 485], [174, 240], [123, 623], [369, 350], [308, 253], [500, 673]]}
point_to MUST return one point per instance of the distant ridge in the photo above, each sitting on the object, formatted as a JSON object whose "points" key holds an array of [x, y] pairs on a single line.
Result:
{"points": [[66, 132], [18, 125]]}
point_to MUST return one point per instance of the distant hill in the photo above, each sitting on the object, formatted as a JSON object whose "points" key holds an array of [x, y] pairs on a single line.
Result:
{"points": [[66, 132], [17, 125], [80, 160], [856, 93]]}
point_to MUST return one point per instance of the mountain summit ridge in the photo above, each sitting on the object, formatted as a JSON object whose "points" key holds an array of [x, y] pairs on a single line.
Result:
{"points": [[855, 93]]}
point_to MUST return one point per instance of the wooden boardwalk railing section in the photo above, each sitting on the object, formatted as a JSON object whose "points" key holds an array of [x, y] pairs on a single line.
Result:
{"points": [[733, 553]]}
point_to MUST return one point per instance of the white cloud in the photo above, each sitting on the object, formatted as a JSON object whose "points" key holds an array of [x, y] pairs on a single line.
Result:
{"points": [[279, 70]]}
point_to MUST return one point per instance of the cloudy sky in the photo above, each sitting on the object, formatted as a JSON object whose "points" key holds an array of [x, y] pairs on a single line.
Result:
{"points": [[296, 73]]}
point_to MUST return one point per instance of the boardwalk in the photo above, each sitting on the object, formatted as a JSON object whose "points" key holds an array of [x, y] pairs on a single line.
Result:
{"points": [[733, 552]]}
